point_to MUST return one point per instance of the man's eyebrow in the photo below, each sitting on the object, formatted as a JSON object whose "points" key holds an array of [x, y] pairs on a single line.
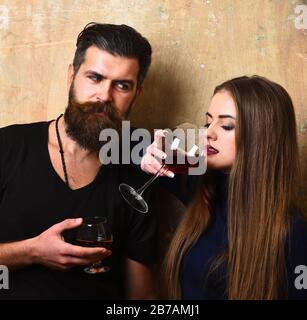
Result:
{"points": [[94, 73], [125, 80], [97, 74], [221, 116]]}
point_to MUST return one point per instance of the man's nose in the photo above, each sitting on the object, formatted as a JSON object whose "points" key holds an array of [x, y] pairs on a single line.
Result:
{"points": [[104, 93]]}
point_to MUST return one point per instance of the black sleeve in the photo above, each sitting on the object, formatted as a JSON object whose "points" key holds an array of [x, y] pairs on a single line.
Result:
{"points": [[184, 187], [297, 259], [142, 240], [141, 228], [2, 163], [11, 140]]}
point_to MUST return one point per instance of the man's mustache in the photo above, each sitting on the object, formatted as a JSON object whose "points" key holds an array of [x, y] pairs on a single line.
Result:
{"points": [[90, 108]]}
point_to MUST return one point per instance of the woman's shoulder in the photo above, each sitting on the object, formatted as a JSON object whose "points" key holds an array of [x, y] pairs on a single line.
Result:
{"points": [[298, 237], [299, 223], [297, 256]]}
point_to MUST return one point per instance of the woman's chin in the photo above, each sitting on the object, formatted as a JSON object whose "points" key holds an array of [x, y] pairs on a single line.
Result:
{"points": [[218, 166]]}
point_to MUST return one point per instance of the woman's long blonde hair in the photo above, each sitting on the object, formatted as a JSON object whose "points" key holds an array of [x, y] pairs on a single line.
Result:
{"points": [[261, 190]]}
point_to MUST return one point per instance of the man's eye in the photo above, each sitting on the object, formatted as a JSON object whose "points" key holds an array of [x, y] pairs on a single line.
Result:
{"points": [[94, 78], [123, 86], [207, 125]]}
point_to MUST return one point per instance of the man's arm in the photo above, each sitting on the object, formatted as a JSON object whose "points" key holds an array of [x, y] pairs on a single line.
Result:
{"points": [[139, 281], [16, 254], [50, 249]]}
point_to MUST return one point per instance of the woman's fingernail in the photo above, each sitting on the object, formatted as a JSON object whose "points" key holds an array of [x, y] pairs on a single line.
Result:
{"points": [[170, 174]]}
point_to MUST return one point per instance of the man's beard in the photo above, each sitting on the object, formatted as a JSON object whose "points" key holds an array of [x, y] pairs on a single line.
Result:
{"points": [[84, 126]]}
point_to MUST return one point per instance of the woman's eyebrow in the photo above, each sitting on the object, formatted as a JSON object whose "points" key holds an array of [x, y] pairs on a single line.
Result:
{"points": [[221, 116]]}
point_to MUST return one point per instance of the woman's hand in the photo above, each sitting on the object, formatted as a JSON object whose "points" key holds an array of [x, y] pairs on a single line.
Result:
{"points": [[152, 160]]}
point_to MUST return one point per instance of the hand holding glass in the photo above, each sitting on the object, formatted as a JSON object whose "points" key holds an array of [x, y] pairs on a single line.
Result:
{"points": [[95, 232], [184, 147]]}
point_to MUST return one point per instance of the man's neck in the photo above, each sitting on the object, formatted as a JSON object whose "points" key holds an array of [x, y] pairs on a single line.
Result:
{"points": [[70, 146]]}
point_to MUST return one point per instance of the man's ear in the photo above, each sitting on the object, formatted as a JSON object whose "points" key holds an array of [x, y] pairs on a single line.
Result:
{"points": [[70, 76]]}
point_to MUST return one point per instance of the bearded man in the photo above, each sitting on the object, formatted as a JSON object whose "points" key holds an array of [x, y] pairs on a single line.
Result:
{"points": [[51, 178]]}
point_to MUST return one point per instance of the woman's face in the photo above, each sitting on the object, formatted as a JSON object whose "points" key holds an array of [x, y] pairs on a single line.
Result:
{"points": [[221, 123]]}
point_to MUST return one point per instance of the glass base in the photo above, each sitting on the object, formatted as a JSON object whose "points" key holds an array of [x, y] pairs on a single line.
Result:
{"points": [[98, 268], [134, 199]]}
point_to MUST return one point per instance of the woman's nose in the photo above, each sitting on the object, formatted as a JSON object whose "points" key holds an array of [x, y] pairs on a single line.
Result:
{"points": [[211, 134]]}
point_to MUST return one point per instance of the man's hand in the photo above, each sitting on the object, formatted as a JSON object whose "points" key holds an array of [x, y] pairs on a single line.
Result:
{"points": [[50, 249]]}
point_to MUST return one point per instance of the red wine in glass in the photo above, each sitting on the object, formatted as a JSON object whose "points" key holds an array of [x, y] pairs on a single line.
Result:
{"points": [[95, 232], [95, 243], [182, 167]]}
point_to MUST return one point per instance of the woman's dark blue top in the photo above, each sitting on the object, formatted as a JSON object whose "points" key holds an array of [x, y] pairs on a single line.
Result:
{"points": [[196, 280]]}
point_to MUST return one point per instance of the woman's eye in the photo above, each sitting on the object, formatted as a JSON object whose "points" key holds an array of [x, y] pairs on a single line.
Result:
{"points": [[207, 125], [228, 128]]}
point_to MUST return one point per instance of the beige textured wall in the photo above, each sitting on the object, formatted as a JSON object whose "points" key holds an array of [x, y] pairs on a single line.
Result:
{"points": [[196, 43]]}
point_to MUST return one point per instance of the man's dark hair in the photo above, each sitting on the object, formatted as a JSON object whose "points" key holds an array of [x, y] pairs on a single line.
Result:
{"points": [[120, 40]]}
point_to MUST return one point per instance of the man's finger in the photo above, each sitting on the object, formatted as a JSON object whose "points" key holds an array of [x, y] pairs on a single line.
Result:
{"points": [[83, 252], [67, 224]]}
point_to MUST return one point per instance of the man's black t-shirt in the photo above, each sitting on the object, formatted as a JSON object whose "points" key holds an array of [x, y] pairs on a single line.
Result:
{"points": [[33, 198]]}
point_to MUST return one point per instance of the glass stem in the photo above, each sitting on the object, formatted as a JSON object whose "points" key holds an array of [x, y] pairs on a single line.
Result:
{"points": [[149, 182]]}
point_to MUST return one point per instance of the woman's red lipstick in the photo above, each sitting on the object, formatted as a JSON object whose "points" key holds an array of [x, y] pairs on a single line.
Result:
{"points": [[211, 150]]}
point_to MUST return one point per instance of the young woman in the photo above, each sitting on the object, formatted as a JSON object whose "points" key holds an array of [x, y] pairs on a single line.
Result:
{"points": [[242, 236]]}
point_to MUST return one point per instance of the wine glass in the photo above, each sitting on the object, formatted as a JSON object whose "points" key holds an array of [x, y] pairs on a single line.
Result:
{"points": [[185, 151], [95, 232]]}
